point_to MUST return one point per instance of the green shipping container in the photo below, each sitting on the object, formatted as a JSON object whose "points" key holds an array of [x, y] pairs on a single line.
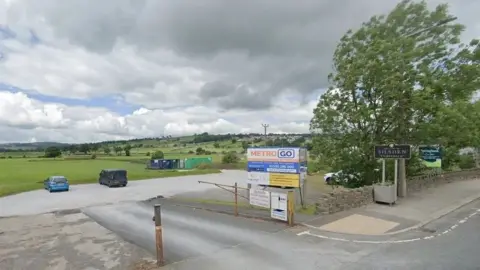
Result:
{"points": [[191, 163]]}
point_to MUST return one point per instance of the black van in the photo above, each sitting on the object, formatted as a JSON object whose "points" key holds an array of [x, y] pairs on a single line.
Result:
{"points": [[113, 177]]}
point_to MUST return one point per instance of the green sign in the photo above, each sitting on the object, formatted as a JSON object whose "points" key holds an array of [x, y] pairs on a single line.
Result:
{"points": [[431, 156]]}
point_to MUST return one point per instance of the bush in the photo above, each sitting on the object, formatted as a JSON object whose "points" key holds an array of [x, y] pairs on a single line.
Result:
{"points": [[157, 155], [147, 154], [191, 152], [466, 162], [94, 156], [230, 158]]}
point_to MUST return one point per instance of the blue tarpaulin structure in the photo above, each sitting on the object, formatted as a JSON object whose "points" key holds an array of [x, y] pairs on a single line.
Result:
{"points": [[164, 164]]}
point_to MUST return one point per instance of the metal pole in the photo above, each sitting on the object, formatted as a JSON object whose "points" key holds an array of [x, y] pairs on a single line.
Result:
{"points": [[236, 199], [158, 234], [395, 178], [383, 171]]}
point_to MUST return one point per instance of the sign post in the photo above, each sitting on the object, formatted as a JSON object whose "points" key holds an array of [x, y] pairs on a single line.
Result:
{"points": [[396, 152], [383, 171], [281, 171]]}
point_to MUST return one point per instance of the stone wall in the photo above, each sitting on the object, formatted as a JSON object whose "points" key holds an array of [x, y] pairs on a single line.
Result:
{"points": [[418, 183], [342, 199]]}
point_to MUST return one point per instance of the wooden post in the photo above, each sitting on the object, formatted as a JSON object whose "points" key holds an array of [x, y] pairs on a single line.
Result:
{"points": [[158, 234], [291, 208], [236, 199]]}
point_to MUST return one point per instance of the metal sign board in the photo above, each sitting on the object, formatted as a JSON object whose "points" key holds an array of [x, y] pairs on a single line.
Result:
{"points": [[393, 151], [279, 206], [274, 154], [260, 198], [431, 156]]}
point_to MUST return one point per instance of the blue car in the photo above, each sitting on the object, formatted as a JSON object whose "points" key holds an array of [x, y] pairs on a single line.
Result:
{"points": [[56, 183]]}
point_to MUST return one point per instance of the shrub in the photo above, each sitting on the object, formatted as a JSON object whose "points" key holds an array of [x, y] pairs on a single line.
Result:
{"points": [[230, 158], [157, 155], [466, 162], [94, 156]]}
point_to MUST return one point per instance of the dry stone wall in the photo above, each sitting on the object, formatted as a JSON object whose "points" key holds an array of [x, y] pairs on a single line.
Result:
{"points": [[341, 199]]}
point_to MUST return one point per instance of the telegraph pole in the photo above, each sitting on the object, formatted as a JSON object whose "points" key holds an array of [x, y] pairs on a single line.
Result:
{"points": [[265, 126]]}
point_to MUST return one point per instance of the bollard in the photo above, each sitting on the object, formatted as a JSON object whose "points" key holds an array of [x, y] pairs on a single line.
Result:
{"points": [[236, 199], [158, 234]]}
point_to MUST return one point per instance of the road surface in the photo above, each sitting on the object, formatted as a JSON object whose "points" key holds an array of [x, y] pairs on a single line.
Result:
{"points": [[41, 201], [197, 239]]}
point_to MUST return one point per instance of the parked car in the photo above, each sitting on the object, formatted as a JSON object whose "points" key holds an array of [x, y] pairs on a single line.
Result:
{"points": [[56, 183], [113, 177], [328, 177], [339, 176]]}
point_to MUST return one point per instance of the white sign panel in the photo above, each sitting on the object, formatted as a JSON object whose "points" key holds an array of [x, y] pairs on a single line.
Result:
{"points": [[278, 203], [258, 178], [260, 198], [274, 154]]}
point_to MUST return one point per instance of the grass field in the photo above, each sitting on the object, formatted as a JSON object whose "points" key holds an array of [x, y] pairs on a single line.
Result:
{"points": [[25, 170], [19, 175]]}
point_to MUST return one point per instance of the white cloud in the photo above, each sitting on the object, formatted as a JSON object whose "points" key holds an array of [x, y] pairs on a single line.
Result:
{"points": [[159, 55], [23, 118]]}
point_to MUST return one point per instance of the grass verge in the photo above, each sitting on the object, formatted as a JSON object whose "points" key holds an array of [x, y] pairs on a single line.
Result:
{"points": [[19, 175]]}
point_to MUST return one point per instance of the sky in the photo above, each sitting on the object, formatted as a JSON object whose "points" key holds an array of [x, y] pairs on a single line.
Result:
{"points": [[82, 70]]}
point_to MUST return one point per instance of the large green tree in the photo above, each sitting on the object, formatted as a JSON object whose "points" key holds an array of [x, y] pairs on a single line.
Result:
{"points": [[399, 78]]}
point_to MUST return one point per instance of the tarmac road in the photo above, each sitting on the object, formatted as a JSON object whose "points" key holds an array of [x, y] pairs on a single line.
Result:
{"points": [[198, 239], [41, 201], [458, 249], [187, 232]]}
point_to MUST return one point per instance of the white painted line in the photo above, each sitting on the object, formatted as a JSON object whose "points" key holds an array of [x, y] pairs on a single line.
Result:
{"points": [[302, 233], [311, 226], [339, 239]]}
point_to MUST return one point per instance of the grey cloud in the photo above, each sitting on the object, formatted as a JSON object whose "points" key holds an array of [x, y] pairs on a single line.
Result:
{"points": [[229, 96], [271, 46]]}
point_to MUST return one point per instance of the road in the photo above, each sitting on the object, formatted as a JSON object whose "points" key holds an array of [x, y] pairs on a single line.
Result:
{"points": [[41, 201], [197, 239], [457, 248]]}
